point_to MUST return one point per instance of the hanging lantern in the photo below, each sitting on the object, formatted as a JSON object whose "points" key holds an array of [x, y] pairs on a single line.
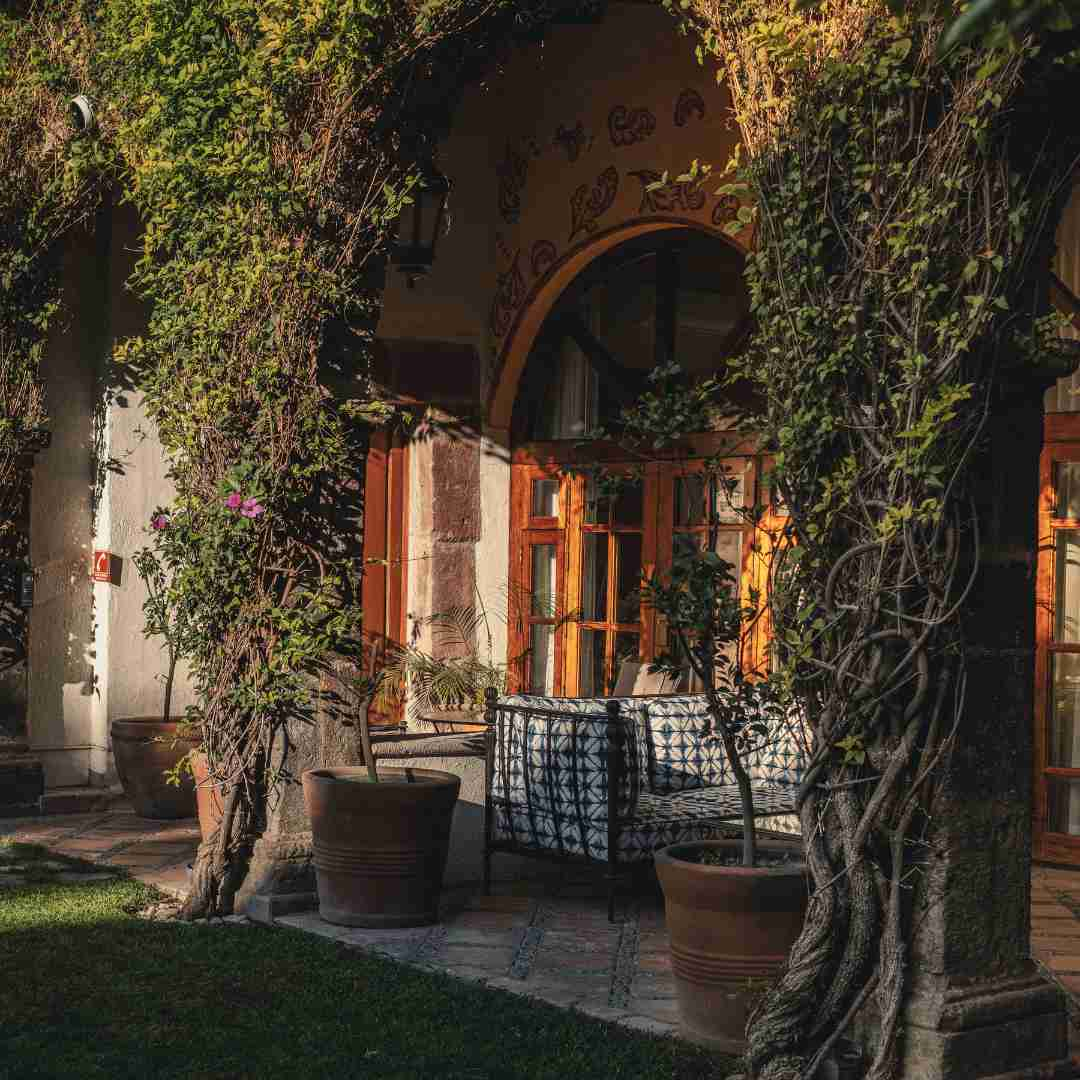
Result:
{"points": [[420, 226]]}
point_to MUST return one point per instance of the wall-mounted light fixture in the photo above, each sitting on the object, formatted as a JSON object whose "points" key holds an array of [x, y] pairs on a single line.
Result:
{"points": [[82, 114], [420, 225]]}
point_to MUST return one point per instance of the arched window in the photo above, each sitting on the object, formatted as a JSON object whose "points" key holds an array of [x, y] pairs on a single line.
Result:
{"points": [[576, 557], [647, 302]]}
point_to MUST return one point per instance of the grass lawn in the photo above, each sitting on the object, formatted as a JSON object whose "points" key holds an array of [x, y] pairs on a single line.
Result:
{"points": [[88, 989]]}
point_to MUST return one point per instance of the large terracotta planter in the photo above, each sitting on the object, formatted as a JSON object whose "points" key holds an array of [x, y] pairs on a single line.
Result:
{"points": [[380, 849], [144, 749], [731, 929], [207, 799]]}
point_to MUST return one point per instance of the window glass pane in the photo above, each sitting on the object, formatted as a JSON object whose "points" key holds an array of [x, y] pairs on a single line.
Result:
{"points": [[627, 647], [542, 660], [627, 600], [591, 681], [622, 313], [545, 498], [730, 491], [543, 580], [630, 504], [1063, 805], [1067, 585], [568, 409], [594, 578], [1067, 485], [597, 510], [685, 543], [729, 548], [691, 504], [1064, 748]]}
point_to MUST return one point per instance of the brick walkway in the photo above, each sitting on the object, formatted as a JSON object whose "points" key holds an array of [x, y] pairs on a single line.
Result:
{"points": [[545, 936]]}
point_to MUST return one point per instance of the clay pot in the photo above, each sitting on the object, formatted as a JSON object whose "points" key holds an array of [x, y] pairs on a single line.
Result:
{"points": [[207, 799], [380, 849], [727, 925], [144, 748]]}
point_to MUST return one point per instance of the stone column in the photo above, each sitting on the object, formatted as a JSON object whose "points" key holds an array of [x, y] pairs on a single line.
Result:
{"points": [[977, 1007], [281, 875]]}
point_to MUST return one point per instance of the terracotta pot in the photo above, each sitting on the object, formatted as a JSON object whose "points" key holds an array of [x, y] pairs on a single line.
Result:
{"points": [[727, 925], [144, 748], [380, 849], [207, 799]]}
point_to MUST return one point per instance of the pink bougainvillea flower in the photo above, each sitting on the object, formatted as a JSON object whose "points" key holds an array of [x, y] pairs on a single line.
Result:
{"points": [[161, 521], [234, 501], [252, 508]]}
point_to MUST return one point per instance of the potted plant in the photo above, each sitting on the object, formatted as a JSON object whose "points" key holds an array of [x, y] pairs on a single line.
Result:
{"points": [[446, 691], [380, 836], [151, 751], [734, 908]]}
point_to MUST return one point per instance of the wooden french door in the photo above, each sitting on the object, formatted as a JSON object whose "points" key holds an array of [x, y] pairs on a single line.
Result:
{"points": [[578, 555], [1056, 823], [385, 538]]}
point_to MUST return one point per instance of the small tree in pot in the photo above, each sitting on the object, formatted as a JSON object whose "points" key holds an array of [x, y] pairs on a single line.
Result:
{"points": [[731, 918], [165, 615], [380, 837], [153, 753]]}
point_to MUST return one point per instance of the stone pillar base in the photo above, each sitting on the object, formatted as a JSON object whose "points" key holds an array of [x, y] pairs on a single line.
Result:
{"points": [[1004, 1028], [280, 878]]}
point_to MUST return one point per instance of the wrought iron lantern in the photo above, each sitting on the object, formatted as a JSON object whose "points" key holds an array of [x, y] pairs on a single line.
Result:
{"points": [[420, 225]]}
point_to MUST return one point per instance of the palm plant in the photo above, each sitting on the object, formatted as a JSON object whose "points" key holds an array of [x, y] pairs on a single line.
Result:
{"points": [[459, 678]]}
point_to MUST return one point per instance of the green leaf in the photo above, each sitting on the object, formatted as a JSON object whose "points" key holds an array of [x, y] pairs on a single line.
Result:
{"points": [[970, 22]]}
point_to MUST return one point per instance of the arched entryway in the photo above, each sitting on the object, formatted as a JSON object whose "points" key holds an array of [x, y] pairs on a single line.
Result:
{"points": [[577, 547]]}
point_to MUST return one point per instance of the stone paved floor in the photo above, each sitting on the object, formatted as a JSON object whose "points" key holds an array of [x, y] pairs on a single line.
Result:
{"points": [[545, 936]]}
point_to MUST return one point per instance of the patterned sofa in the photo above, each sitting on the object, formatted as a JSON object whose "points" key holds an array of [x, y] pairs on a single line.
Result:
{"points": [[553, 762]]}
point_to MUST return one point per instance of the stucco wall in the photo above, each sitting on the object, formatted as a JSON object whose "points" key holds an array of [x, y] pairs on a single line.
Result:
{"points": [[131, 488], [549, 159], [62, 669], [95, 487]]}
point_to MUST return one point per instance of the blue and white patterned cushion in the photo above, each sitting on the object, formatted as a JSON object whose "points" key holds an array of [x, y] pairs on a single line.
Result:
{"points": [[659, 820], [681, 756], [554, 765]]}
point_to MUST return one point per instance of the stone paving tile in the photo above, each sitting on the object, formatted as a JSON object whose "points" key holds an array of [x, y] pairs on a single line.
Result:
{"points": [[84, 845], [648, 1025], [486, 922], [456, 934], [557, 960], [135, 862], [493, 958], [501, 903]]}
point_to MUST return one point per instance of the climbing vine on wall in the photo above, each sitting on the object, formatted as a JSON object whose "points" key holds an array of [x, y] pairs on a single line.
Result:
{"points": [[901, 224], [44, 191]]}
